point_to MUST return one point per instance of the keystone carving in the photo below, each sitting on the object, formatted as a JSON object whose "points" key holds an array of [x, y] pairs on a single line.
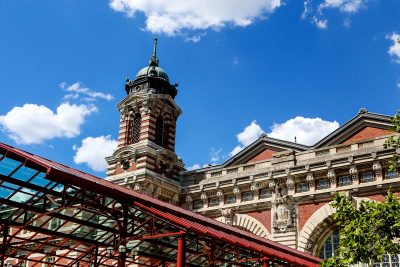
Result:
{"points": [[283, 209], [310, 180]]}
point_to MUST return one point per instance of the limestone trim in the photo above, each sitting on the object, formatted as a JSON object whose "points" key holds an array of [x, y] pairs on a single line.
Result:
{"points": [[248, 223], [314, 227]]}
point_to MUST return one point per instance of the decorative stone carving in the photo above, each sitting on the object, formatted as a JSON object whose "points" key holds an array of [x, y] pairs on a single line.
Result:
{"points": [[353, 171], [271, 184], [137, 188], [149, 189], [310, 180], [228, 215], [283, 210], [189, 199], [377, 167], [204, 197], [220, 194], [282, 216], [332, 178], [236, 191], [254, 187], [157, 192], [290, 183], [175, 199]]}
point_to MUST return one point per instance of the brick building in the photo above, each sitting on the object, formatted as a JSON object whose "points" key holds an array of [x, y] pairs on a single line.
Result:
{"points": [[276, 189]]}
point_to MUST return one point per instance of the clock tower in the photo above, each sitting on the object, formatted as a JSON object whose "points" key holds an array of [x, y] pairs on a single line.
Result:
{"points": [[145, 158]]}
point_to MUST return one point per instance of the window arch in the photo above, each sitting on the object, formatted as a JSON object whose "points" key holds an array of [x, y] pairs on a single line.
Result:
{"points": [[134, 126]]}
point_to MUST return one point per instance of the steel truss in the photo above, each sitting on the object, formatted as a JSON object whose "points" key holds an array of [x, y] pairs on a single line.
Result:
{"points": [[54, 215]]}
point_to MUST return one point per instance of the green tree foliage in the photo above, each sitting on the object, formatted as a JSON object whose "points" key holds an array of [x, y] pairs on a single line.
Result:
{"points": [[394, 142], [367, 232]]}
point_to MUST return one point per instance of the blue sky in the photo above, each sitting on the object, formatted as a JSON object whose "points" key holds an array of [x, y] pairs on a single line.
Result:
{"points": [[284, 67]]}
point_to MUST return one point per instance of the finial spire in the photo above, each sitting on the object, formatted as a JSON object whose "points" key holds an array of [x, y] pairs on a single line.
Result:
{"points": [[154, 59]]}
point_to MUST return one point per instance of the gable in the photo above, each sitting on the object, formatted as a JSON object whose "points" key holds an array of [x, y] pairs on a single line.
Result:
{"points": [[366, 133], [263, 155], [262, 149], [365, 125]]}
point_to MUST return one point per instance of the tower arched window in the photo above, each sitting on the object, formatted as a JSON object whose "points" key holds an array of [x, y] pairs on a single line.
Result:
{"points": [[134, 126], [159, 131]]}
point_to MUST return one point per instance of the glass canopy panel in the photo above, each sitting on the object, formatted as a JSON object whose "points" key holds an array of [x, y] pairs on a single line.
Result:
{"points": [[7, 166], [24, 173]]}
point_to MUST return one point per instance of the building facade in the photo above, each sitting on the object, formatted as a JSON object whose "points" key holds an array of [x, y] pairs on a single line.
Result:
{"points": [[273, 188]]}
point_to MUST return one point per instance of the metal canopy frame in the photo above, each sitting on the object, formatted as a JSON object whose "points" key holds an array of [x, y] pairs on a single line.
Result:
{"points": [[58, 216]]}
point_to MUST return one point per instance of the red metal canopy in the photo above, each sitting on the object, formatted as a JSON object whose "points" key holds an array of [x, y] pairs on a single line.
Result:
{"points": [[100, 223]]}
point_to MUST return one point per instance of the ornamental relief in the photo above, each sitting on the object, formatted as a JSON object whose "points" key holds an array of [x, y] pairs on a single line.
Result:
{"points": [[282, 207]]}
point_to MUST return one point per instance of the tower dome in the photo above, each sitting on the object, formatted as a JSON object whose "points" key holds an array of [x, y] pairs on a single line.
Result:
{"points": [[151, 79]]}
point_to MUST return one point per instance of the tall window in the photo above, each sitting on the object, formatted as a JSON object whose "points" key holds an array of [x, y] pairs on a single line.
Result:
{"points": [[134, 129], [159, 131], [330, 246]]}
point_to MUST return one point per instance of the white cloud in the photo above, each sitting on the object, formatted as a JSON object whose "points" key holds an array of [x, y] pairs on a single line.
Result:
{"points": [[250, 133], [317, 10], [307, 130], [76, 90], [394, 49], [320, 23], [236, 150], [34, 124], [215, 155], [93, 151], [171, 17], [235, 61], [347, 6], [194, 167]]}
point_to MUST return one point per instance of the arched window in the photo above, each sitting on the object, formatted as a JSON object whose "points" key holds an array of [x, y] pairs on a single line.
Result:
{"points": [[159, 131], [134, 129], [330, 245]]}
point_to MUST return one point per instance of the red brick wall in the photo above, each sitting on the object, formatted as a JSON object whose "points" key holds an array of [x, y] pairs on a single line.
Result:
{"points": [[366, 133], [263, 155], [381, 198], [263, 216], [307, 210]]}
